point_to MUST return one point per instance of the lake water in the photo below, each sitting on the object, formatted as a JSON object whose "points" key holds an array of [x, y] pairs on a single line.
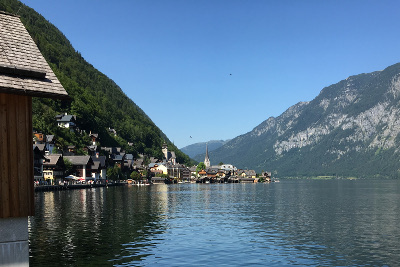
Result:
{"points": [[304, 223]]}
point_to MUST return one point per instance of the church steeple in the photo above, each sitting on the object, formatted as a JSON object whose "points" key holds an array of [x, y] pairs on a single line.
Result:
{"points": [[165, 150], [207, 160]]}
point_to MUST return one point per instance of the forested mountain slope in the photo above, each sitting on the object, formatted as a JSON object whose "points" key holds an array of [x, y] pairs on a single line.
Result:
{"points": [[350, 129], [96, 100]]}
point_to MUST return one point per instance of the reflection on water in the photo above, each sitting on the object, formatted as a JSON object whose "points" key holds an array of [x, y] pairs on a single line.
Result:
{"points": [[311, 223]]}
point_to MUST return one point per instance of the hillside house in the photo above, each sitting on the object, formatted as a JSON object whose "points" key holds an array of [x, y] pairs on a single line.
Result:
{"points": [[38, 138], [118, 160], [138, 163], [69, 150], [112, 150], [50, 143], [94, 138], [91, 150], [129, 163], [66, 121], [41, 148]]}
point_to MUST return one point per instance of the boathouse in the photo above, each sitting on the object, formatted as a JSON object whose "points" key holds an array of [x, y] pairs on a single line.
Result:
{"points": [[24, 73]]}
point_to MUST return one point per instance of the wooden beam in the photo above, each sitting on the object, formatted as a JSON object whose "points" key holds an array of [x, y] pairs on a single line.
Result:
{"points": [[16, 156]]}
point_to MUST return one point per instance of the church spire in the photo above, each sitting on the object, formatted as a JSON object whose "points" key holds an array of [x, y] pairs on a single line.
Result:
{"points": [[207, 160]]}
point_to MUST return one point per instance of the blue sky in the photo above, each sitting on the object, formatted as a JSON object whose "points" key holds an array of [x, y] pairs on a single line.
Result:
{"points": [[215, 69]]}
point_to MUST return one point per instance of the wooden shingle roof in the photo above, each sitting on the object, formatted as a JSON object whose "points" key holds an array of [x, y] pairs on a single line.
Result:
{"points": [[23, 69], [79, 160], [52, 159]]}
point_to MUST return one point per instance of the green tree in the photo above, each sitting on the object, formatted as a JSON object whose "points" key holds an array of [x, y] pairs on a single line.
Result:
{"points": [[146, 174], [114, 173], [200, 166], [135, 176], [68, 167]]}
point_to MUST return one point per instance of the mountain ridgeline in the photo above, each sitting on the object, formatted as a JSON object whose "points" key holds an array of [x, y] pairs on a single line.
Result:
{"points": [[351, 129], [96, 100], [200, 148]]}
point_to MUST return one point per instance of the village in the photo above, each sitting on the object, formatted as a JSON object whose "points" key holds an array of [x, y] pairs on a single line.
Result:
{"points": [[106, 165]]}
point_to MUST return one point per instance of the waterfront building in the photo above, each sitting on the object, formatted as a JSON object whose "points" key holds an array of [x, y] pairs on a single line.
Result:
{"points": [[227, 168], [99, 167], [158, 168], [179, 172], [82, 166], [53, 168]]}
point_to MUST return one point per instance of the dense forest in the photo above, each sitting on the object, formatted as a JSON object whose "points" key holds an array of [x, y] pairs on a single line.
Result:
{"points": [[97, 102]]}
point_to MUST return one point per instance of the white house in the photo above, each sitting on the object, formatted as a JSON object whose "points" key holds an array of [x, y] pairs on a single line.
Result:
{"points": [[66, 121]]}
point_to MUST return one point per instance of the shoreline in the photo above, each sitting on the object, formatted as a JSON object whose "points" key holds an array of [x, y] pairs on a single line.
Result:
{"points": [[46, 188]]}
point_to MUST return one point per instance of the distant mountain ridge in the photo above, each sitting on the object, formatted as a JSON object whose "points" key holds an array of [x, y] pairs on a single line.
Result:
{"points": [[350, 129], [196, 149]]}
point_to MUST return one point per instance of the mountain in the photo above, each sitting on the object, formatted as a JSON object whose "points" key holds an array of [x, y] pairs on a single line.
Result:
{"points": [[200, 148], [351, 129], [98, 103]]}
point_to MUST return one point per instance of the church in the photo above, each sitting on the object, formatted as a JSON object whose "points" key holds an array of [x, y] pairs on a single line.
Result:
{"points": [[207, 159]]}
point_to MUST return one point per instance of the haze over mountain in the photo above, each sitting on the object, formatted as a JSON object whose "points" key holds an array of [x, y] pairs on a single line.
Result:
{"points": [[200, 148], [350, 129]]}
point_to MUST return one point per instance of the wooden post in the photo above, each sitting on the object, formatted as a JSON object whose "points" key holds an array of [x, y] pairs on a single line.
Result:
{"points": [[16, 156]]}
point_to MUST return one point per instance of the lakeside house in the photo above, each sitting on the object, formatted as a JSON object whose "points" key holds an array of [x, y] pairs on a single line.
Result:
{"points": [[53, 169], [82, 166], [99, 168], [38, 159], [179, 172], [158, 168]]}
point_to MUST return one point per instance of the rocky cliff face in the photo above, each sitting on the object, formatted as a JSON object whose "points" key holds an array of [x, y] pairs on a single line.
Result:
{"points": [[350, 129]]}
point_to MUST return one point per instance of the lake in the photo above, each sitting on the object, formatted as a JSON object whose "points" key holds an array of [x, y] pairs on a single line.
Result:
{"points": [[294, 222]]}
